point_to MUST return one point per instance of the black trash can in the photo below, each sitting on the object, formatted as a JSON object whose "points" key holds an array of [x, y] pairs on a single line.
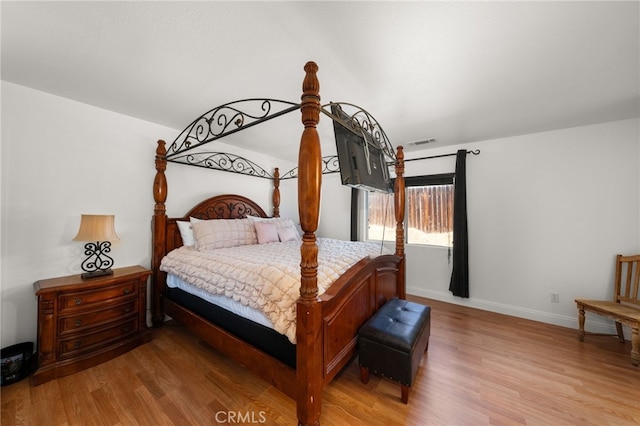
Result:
{"points": [[16, 362]]}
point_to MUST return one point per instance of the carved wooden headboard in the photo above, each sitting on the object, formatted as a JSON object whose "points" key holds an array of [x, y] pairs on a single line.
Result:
{"points": [[227, 206]]}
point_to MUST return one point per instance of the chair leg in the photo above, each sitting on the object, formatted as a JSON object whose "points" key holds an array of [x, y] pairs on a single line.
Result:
{"points": [[364, 375], [581, 323], [635, 345], [620, 332], [404, 390]]}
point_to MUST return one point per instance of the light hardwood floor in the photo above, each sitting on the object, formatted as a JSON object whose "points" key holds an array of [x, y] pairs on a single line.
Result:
{"points": [[482, 368]]}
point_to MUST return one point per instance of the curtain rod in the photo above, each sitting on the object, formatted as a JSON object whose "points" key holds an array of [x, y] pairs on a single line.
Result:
{"points": [[474, 152]]}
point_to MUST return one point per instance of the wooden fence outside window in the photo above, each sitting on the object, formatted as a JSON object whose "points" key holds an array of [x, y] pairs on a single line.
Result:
{"points": [[429, 210]]}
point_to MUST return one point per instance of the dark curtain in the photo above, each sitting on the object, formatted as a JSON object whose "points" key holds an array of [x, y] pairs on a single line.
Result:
{"points": [[354, 214], [459, 284]]}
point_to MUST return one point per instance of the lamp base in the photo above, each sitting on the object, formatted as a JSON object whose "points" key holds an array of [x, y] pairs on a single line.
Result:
{"points": [[94, 274]]}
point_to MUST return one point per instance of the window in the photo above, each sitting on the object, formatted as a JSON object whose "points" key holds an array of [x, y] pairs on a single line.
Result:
{"points": [[428, 215]]}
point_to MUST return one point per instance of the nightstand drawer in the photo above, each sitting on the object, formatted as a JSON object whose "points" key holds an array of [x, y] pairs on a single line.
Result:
{"points": [[75, 323], [85, 299], [92, 341]]}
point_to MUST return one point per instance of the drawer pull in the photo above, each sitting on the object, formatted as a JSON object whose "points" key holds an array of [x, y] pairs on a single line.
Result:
{"points": [[76, 345], [127, 290], [78, 301], [78, 323], [126, 328], [127, 309]]}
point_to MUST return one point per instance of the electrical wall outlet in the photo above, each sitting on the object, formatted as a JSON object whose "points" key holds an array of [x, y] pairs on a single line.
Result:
{"points": [[555, 297]]}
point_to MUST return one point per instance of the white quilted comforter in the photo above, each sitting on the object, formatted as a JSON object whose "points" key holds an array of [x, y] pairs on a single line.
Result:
{"points": [[265, 277]]}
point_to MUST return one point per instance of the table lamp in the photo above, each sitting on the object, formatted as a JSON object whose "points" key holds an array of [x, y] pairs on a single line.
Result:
{"points": [[99, 231]]}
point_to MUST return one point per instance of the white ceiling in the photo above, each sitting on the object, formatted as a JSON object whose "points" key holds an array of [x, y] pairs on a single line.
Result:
{"points": [[454, 71]]}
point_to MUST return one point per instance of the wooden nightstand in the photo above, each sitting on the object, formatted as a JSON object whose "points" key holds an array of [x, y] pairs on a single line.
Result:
{"points": [[82, 323]]}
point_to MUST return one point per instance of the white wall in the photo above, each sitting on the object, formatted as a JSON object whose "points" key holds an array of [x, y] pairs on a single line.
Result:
{"points": [[547, 212], [60, 159]]}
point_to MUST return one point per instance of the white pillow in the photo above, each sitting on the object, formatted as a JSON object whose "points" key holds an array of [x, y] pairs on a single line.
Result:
{"points": [[267, 232], [186, 231], [288, 234], [220, 233], [260, 219]]}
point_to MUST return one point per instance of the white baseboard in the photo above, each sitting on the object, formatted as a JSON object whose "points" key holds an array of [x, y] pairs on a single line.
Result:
{"points": [[516, 311]]}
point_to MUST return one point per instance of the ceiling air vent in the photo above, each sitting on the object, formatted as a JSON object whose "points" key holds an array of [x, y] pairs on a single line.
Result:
{"points": [[423, 142]]}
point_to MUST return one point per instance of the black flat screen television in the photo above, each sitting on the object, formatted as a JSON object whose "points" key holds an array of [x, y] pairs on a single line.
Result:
{"points": [[361, 160]]}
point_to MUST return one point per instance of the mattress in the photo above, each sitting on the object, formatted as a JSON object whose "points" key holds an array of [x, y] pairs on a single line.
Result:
{"points": [[263, 278], [237, 308]]}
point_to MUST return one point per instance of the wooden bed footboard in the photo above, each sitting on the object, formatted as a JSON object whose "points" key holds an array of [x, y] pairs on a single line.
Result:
{"points": [[349, 302]]}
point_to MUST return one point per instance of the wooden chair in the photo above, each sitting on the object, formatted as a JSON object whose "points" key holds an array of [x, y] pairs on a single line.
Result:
{"points": [[625, 307]]}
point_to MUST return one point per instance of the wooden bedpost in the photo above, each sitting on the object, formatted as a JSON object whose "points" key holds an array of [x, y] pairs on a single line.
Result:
{"points": [[309, 366], [399, 204], [159, 225], [276, 192]]}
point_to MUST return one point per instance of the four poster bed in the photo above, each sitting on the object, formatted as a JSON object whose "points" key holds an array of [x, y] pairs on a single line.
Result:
{"points": [[325, 320]]}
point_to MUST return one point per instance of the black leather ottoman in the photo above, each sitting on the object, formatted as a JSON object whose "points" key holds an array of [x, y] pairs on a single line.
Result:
{"points": [[392, 342]]}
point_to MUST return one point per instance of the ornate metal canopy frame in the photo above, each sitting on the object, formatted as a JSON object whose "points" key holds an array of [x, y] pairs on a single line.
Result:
{"points": [[364, 124], [235, 116]]}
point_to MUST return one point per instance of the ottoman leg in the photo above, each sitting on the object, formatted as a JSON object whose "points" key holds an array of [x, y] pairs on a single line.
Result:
{"points": [[404, 390], [364, 375]]}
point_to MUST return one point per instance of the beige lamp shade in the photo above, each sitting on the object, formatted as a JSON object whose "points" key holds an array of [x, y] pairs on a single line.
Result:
{"points": [[97, 227]]}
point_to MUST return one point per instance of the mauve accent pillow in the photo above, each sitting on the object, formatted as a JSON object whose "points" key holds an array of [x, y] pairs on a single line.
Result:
{"points": [[280, 223], [267, 232]]}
